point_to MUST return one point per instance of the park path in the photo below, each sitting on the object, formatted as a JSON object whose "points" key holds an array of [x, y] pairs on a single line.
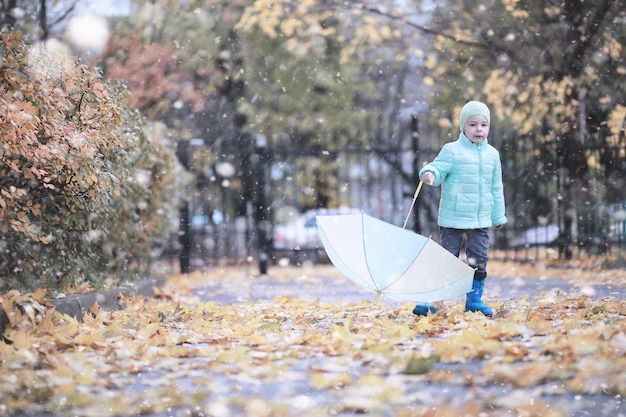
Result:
{"points": [[326, 284], [323, 284]]}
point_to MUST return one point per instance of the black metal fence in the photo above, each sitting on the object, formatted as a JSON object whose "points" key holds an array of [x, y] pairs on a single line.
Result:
{"points": [[552, 212]]}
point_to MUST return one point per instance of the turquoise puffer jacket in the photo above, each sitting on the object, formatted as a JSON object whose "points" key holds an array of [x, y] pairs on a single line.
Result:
{"points": [[470, 175]]}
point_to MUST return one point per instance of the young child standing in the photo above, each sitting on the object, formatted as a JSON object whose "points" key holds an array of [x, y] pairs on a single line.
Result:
{"points": [[472, 198]]}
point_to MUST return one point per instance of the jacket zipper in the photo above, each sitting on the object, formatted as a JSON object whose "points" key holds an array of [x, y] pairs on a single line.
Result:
{"points": [[480, 183]]}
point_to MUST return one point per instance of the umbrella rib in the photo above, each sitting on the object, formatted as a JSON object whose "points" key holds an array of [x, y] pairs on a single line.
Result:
{"points": [[333, 247], [407, 267], [362, 283], [369, 270]]}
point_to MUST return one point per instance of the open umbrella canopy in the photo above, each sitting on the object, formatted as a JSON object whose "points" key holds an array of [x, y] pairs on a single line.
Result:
{"points": [[391, 260]]}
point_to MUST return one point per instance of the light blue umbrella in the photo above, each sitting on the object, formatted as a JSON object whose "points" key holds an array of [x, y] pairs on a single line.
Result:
{"points": [[391, 260]]}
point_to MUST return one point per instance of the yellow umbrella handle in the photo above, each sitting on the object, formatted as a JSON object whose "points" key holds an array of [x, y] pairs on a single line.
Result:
{"points": [[417, 191]]}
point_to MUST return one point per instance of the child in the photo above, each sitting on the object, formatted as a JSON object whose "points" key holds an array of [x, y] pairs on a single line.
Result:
{"points": [[472, 198]]}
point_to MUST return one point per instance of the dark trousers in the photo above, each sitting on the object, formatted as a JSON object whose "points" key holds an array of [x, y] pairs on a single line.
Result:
{"points": [[475, 242]]}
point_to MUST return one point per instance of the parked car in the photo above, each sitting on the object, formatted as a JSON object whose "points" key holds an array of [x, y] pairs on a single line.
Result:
{"points": [[537, 236], [301, 233]]}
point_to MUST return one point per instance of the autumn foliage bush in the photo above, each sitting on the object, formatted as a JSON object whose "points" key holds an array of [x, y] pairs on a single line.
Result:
{"points": [[85, 191]]}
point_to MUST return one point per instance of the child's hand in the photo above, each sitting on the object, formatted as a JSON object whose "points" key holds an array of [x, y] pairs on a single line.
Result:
{"points": [[428, 178], [499, 227]]}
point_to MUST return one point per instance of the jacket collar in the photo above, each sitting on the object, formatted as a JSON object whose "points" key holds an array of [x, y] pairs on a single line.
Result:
{"points": [[468, 143]]}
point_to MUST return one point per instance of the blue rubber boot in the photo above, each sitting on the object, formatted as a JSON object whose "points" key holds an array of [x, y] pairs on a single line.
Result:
{"points": [[422, 309], [474, 302]]}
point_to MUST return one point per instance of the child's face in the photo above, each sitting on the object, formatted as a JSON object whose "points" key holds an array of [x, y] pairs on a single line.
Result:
{"points": [[476, 128]]}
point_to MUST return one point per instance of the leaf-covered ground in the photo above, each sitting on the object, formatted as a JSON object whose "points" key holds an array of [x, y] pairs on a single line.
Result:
{"points": [[308, 342]]}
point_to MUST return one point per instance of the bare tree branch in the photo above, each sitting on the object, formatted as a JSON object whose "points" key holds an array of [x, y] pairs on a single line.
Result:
{"points": [[423, 29]]}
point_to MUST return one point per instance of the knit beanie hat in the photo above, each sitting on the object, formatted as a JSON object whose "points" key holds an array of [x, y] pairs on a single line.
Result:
{"points": [[474, 108]]}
